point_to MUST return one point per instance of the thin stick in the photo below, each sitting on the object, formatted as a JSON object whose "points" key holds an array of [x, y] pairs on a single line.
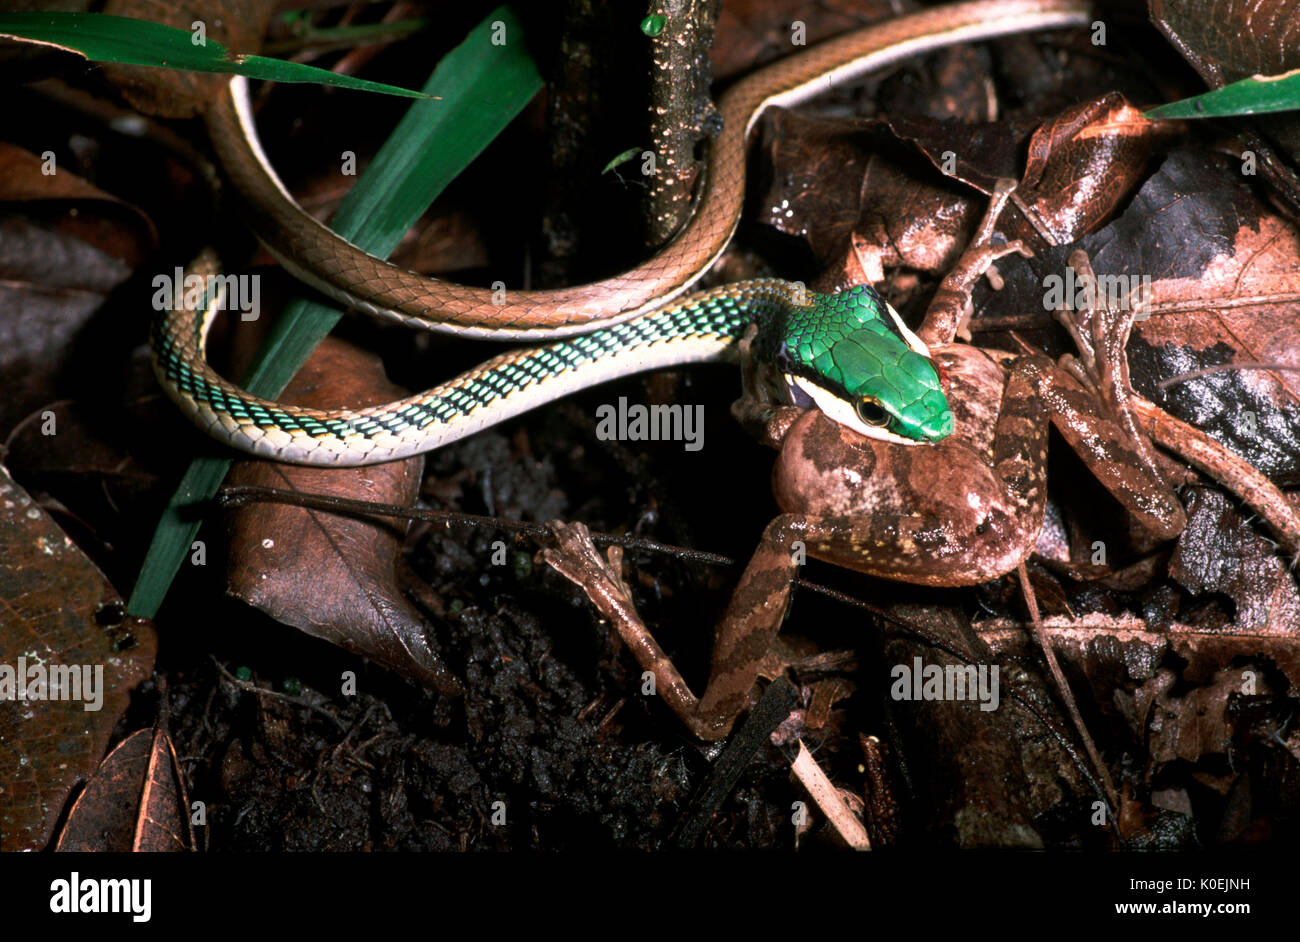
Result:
{"points": [[1066, 694]]}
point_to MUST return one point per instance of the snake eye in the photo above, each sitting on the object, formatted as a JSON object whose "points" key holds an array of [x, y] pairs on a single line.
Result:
{"points": [[870, 412]]}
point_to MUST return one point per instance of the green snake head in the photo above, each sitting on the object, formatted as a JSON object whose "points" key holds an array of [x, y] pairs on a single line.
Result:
{"points": [[852, 355]]}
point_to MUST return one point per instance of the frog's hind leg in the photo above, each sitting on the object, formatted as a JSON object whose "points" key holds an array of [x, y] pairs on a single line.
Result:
{"points": [[744, 637], [1101, 332], [1100, 440]]}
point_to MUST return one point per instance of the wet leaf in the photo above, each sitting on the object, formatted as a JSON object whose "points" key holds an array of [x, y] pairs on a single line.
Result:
{"points": [[334, 576], [1192, 724], [1227, 40], [65, 246], [1220, 349], [58, 611], [1220, 553], [134, 802]]}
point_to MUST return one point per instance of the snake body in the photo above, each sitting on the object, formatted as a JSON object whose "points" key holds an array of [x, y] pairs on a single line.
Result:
{"points": [[642, 320], [704, 328], [816, 335], [314, 253]]}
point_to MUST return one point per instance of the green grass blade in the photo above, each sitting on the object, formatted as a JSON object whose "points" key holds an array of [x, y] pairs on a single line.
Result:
{"points": [[482, 86], [1256, 95], [102, 37]]}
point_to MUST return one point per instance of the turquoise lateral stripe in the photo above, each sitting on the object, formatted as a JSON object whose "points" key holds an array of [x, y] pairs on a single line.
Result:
{"points": [[711, 317]]}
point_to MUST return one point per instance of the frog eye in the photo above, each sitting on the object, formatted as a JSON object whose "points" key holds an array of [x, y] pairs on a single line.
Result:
{"points": [[870, 413]]}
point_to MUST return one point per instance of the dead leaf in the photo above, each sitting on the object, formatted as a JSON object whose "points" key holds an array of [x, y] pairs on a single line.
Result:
{"points": [[1084, 163], [1196, 723], [972, 759], [751, 32], [334, 576], [74, 207], [1220, 552], [135, 801], [850, 189], [58, 611], [1220, 349]]}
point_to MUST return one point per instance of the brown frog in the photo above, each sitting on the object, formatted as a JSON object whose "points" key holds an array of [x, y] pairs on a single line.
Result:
{"points": [[956, 512]]}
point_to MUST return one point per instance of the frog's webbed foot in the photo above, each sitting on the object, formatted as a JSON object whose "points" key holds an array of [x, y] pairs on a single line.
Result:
{"points": [[576, 558], [745, 635], [1100, 331], [950, 309]]}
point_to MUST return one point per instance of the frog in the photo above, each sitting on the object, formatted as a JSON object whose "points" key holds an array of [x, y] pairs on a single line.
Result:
{"points": [[957, 509]]}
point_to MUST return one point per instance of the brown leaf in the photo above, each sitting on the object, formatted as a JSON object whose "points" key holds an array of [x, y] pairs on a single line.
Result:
{"points": [[83, 211], [72, 245], [1220, 552], [972, 758], [1120, 651], [1197, 710], [1193, 724], [1084, 163], [58, 611], [751, 32], [849, 188], [330, 575], [135, 801], [1230, 39], [857, 189]]}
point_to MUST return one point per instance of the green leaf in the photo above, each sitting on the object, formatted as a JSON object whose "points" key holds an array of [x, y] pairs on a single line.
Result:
{"points": [[621, 159], [482, 87], [104, 38], [1256, 95]]}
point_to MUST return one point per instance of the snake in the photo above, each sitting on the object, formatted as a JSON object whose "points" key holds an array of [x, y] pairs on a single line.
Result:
{"points": [[849, 354]]}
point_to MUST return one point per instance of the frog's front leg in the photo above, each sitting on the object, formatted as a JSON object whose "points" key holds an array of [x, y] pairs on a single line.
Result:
{"points": [[949, 310], [760, 410]]}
